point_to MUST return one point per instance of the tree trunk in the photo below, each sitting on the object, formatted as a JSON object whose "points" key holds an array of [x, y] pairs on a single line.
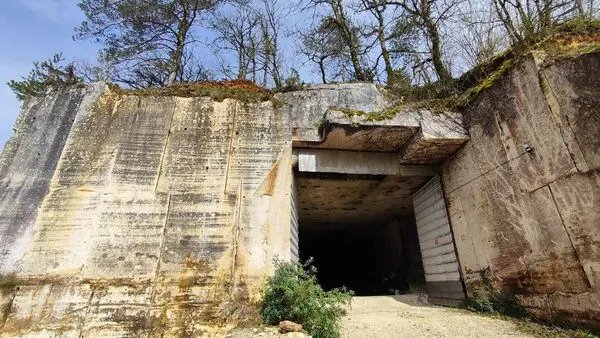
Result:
{"points": [[182, 32], [322, 69], [176, 62], [350, 39], [389, 70], [436, 45]]}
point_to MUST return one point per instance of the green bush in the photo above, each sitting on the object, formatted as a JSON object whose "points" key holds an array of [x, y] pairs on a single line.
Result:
{"points": [[496, 301], [294, 294], [45, 74]]}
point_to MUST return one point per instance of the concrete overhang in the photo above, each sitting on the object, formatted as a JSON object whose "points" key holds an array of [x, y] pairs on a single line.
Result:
{"points": [[341, 117], [358, 163]]}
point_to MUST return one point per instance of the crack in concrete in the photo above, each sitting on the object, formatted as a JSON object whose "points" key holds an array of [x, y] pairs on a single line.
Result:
{"points": [[554, 107], [562, 221], [84, 318], [161, 251], [485, 173], [164, 152], [236, 238], [229, 154], [7, 311]]}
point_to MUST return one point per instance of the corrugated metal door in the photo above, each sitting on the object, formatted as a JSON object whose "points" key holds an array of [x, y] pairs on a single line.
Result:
{"points": [[294, 230], [442, 272]]}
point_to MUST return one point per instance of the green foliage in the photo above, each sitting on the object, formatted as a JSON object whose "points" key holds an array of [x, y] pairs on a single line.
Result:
{"points": [[146, 42], [372, 116], [294, 294], [496, 302], [292, 83], [50, 73], [579, 25]]}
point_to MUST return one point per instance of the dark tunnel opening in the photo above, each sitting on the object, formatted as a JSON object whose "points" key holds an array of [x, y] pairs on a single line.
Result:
{"points": [[360, 232]]}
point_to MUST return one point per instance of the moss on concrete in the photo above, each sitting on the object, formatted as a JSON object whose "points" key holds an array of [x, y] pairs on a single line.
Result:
{"points": [[241, 90], [570, 40], [372, 116]]}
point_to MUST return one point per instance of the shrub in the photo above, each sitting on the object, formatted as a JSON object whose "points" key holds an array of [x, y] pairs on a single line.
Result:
{"points": [[294, 294], [45, 74], [496, 302]]}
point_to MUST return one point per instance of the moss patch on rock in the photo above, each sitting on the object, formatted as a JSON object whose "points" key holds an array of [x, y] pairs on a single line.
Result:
{"points": [[572, 39], [372, 116]]}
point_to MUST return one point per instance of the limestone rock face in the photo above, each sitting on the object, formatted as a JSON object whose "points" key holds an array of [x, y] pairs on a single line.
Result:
{"points": [[141, 216], [533, 218], [28, 162]]}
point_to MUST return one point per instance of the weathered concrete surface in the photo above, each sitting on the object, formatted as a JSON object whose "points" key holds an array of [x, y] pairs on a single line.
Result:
{"points": [[328, 201], [533, 218], [358, 117], [28, 162], [162, 217], [344, 132], [307, 108], [439, 136]]}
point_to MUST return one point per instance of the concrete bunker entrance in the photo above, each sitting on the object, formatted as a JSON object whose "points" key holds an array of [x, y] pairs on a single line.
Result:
{"points": [[360, 230]]}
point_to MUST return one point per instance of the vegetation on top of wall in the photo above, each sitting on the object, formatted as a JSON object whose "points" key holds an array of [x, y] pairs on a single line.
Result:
{"points": [[242, 90], [571, 39], [372, 116], [293, 293]]}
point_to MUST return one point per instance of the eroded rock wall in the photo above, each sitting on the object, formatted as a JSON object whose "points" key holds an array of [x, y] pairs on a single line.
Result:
{"points": [[155, 216], [27, 165], [533, 218]]}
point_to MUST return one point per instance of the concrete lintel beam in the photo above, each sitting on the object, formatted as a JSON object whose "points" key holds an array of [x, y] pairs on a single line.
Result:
{"points": [[358, 162]]}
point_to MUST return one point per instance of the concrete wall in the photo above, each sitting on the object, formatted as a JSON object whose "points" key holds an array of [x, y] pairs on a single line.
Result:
{"points": [[27, 165], [533, 218], [154, 216]]}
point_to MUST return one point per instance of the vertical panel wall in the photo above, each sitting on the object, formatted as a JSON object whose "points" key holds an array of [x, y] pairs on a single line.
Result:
{"points": [[294, 224], [441, 267]]}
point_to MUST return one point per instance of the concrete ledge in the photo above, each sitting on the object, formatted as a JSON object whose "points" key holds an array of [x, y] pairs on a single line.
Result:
{"points": [[356, 162]]}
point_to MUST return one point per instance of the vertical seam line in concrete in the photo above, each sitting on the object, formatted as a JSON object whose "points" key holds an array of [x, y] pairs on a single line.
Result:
{"points": [[562, 221], [549, 95], [8, 309], [231, 134], [161, 250], [164, 151], [87, 311], [236, 235]]}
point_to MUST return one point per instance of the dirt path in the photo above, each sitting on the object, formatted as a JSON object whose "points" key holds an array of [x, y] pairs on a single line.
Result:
{"points": [[402, 316]]}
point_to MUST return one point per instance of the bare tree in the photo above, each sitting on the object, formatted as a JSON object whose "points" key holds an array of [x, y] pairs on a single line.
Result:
{"points": [[430, 14], [477, 34], [324, 46], [238, 31], [271, 21]]}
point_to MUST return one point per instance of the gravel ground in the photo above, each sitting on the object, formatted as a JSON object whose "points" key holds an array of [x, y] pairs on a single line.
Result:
{"points": [[405, 316]]}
